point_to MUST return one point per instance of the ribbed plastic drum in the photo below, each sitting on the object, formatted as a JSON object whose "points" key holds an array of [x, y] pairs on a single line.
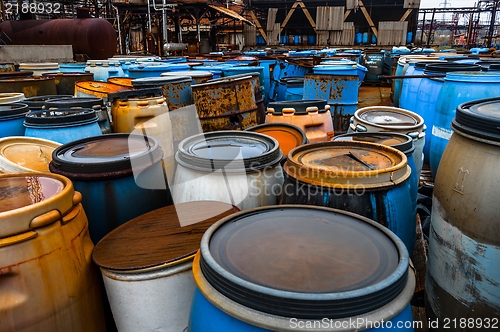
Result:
{"points": [[289, 268]]}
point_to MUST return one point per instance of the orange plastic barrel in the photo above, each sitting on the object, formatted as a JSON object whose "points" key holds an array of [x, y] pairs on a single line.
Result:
{"points": [[47, 279]]}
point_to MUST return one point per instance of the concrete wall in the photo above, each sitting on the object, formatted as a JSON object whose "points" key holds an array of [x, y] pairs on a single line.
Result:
{"points": [[36, 53]]}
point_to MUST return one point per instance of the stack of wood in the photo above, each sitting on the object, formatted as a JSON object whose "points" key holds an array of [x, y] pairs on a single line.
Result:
{"points": [[273, 28]]}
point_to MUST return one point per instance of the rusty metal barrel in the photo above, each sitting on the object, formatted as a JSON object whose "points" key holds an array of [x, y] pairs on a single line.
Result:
{"points": [[464, 248], [30, 86], [226, 104], [65, 82], [47, 279]]}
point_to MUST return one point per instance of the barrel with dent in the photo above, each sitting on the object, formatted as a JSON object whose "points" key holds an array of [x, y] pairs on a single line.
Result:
{"points": [[12, 118], [364, 178], [146, 264], [48, 281], [112, 171], [254, 268], [238, 167], [457, 88], [464, 249], [392, 119], [428, 93]]}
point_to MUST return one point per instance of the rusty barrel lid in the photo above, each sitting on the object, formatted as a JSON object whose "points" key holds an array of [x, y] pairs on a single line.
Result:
{"points": [[304, 261], [231, 150], [26, 154], [13, 110], [402, 142], [389, 118], [288, 135], [122, 81], [26, 197], [61, 117], [157, 81], [105, 156], [99, 87], [300, 107], [348, 164], [160, 237], [479, 118]]}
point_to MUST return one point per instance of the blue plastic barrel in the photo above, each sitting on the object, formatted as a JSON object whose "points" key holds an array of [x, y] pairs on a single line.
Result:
{"points": [[294, 90], [374, 63], [72, 67], [409, 37], [153, 69], [11, 119], [358, 38], [177, 90], [311, 40], [101, 170], [336, 89], [260, 40], [278, 296], [62, 125], [296, 40], [267, 64], [365, 37], [409, 89], [428, 92], [374, 39], [284, 68], [457, 88]]}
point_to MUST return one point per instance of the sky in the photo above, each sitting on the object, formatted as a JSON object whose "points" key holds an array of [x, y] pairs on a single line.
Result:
{"points": [[451, 3]]}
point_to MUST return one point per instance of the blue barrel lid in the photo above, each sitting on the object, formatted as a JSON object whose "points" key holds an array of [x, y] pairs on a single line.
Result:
{"points": [[105, 156], [265, 258], [150, 66], [402, 142], [61, 117], [448, 67], [223, 149], [480, 118], [474, 77], [14, 109]]}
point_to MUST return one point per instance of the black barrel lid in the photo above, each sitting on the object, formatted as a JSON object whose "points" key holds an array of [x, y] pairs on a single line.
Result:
{"points": [[155, 81], [480, 118], [402, 142], [489, 65], [448, 67], [37, 102], [15, 74], [14, 109], [83, 102], [422, 64], [285, 80], [136, 93], [230, 150], [106, 155], [295, 83], [163, 236], [304, 261], [61, 117], [300, 106]]}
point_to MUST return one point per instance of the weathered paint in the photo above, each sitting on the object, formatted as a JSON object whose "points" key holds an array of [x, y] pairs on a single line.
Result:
{"points": [[463, 274], [226, 104], [336, 89], [97, 89], [65, 82]]}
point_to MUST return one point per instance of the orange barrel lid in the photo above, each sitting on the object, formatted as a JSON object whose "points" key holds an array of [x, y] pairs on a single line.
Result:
{"points": [[99, 88], [389, 118], [289, 136], [32, 200], [25, 154], [304, 261], [122, 81], [348, 164], [160, 237]]}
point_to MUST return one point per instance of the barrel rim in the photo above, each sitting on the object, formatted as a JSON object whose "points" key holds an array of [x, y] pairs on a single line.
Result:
{"points": [[10, 141], [16, 110], [406, 147], [418, 126], [477, 124], [400, 273]]}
